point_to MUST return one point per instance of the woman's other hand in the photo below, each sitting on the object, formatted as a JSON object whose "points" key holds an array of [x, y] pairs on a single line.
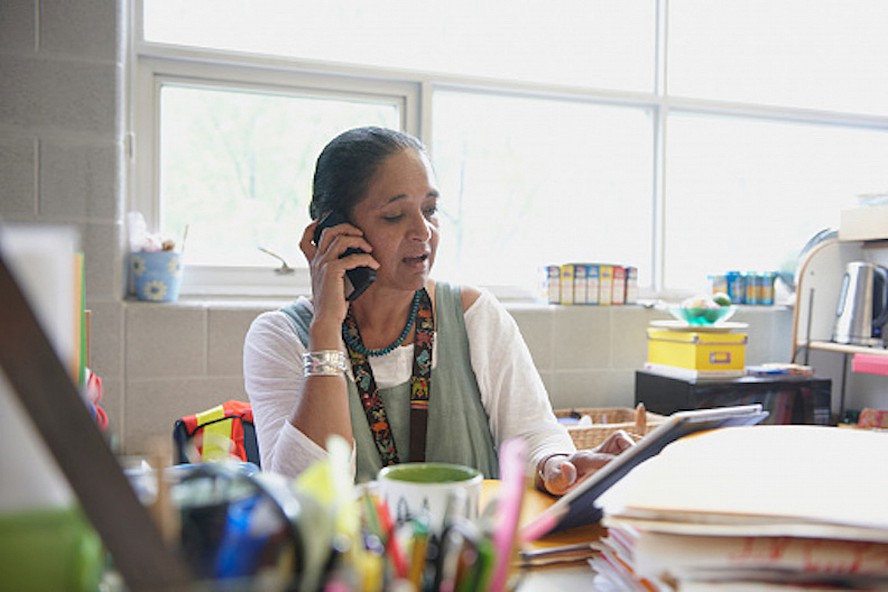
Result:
{"points": [[560, 474]]}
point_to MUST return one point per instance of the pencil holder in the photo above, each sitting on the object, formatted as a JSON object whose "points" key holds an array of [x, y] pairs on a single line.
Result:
{"points": [[156, 275]]}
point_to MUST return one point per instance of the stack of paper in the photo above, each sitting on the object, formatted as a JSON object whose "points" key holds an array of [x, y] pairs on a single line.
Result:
{"points": [[614, 566], [780, 506]]}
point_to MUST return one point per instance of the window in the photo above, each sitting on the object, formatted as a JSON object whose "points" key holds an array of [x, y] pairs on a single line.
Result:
{"points": [[225, 162], [236, 166], [526, 182], [742, 193], [664, 135]]}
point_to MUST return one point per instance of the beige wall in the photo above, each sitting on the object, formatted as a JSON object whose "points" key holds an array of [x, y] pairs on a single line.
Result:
{"points": [[62, 162]]}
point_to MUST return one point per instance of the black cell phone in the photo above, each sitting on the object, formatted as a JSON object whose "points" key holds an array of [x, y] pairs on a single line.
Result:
{"points": [[357, 280]]}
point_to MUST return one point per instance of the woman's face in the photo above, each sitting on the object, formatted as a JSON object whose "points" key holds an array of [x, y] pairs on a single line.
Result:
{"points": [[399, 218]]}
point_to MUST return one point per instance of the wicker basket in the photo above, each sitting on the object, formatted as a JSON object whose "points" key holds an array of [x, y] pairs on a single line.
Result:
{"points": [[606, 421]]}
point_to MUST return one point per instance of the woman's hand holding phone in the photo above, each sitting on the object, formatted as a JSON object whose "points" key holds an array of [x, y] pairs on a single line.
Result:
{"points": [[332, 251], [357, 279]]}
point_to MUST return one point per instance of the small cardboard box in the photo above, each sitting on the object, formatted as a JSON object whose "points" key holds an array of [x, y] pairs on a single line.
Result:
{"points": [[618, 292], [592, 283], [605, 284], [697, 350], [567, 283], [581, 282], [552, 284], [631, 285]]}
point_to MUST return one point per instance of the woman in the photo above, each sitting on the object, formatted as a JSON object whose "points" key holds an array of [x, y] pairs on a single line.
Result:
{"points": [[442, 371]]}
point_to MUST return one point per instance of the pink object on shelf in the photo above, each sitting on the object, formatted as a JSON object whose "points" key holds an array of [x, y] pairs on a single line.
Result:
{"points": [[870, 364], [874, 419]]}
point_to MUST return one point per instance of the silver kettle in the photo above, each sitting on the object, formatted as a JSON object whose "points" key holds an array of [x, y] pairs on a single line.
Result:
{"points": [[863, 305]]}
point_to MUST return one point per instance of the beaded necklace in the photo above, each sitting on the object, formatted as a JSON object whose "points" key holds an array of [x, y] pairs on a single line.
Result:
{"points": [[420, 382], [354, 341]]}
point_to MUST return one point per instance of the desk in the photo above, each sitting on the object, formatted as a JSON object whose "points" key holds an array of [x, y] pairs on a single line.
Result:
{"points": [[571, 576]]}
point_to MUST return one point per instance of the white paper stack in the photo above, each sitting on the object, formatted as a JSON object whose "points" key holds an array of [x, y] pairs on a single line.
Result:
{"points": [[614, 566], [781, 506]]}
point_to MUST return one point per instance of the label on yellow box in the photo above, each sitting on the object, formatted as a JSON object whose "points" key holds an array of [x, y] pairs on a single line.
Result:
{"points": [[697, 350]]}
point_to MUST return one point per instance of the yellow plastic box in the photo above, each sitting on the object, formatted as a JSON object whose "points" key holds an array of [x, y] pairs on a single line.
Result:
{"points": [[697, 350]]}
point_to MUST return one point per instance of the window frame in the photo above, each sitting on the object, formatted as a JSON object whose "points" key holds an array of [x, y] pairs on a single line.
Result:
{"points": [[158, 65], [154, 63]]}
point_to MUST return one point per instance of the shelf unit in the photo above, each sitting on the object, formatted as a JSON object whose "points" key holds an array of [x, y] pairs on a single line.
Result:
{"points": [[846, 349], [862, 236]]}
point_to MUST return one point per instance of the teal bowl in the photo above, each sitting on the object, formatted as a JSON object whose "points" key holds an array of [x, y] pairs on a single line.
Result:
{"points": [[703, 316]]}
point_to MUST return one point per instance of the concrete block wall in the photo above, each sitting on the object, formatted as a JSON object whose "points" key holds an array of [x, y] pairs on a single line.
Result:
{"points": [[62, 147], [62, 161]]}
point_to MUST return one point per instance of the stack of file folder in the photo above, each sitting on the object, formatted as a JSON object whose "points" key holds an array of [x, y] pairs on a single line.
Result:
{"points": [[767, 507]]}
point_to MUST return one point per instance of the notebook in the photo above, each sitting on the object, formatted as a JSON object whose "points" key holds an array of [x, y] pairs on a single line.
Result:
{"points": [[579, 506]]}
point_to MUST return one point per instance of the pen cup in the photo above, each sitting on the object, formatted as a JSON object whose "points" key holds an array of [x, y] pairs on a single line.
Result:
{"points": [[412, 490]]}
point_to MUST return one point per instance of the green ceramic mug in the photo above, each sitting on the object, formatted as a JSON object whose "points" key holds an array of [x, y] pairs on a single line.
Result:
{"points": [[431, 490]]}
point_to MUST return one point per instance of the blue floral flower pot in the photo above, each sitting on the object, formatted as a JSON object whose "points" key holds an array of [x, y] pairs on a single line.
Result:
{"points": [[156, 275]]}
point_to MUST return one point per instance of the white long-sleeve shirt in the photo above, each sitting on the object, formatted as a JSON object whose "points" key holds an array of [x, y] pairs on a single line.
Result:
{"points": [[512, 392]]}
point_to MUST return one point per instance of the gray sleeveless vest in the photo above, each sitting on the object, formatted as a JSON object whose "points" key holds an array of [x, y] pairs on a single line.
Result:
{"points": [[458, 426]]}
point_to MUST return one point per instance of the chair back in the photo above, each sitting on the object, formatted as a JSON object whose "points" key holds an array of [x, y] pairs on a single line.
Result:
{"points": [[224, 432]]}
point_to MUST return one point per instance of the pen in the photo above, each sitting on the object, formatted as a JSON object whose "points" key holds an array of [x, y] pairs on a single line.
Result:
{"points": [[479, 579], [371, 514], [457, 556], [467, 565], [513, 456], [395, 552], [448, 560], [418, 549]]}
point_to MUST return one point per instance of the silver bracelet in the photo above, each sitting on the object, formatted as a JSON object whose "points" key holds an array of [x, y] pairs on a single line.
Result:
{"points": [[327, 362]]}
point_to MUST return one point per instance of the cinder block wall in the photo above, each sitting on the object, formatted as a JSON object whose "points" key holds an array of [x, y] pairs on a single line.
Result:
{"points": [[62, 161], [61, 148]]}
